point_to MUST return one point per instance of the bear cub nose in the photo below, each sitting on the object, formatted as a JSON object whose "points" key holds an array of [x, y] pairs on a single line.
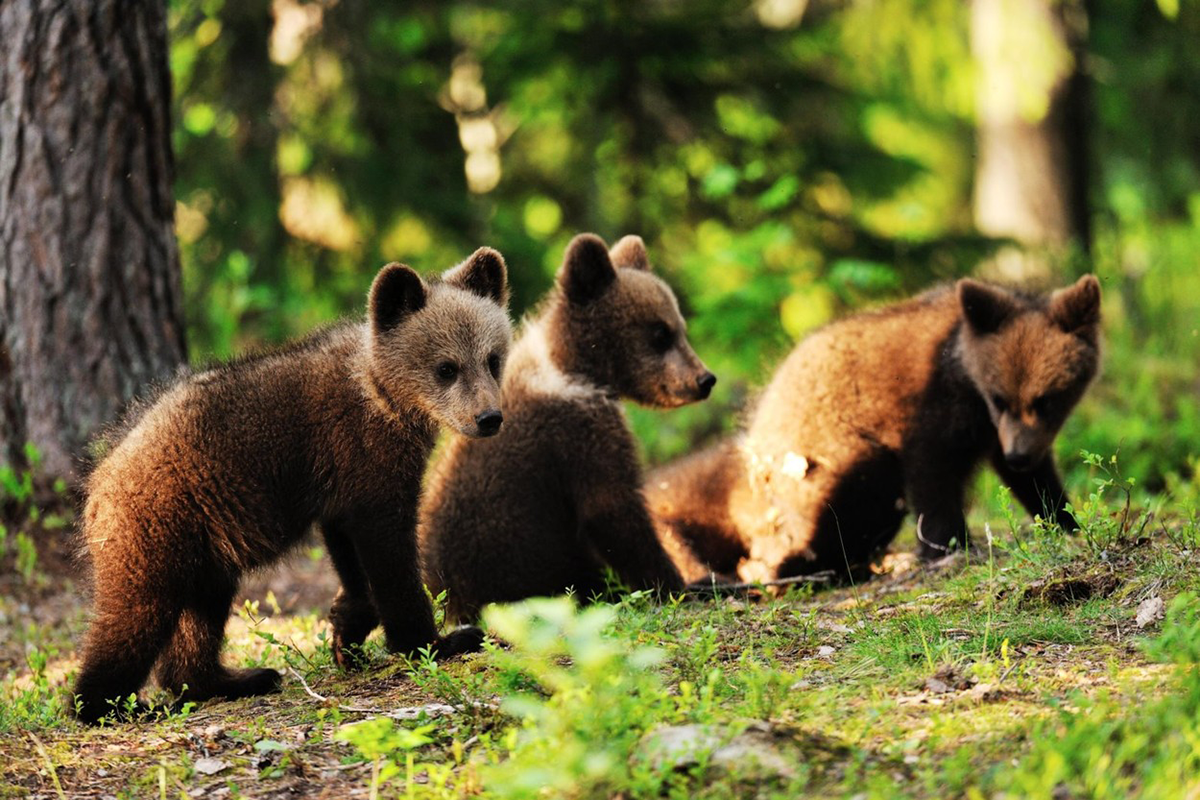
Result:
{"points": [[705, 383], [489, 422]]}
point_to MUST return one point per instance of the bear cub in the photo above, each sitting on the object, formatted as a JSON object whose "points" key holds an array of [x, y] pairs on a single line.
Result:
{"points": [[884, 412], [230, 467], [556, 497]]}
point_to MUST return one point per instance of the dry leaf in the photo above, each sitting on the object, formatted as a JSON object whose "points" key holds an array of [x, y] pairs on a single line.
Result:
{"points": [[937, 686], [210, 766], [1149, 611]]}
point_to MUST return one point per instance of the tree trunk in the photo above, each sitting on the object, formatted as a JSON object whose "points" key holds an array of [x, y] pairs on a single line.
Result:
{"points": [[90, 302], [1031, 176]]}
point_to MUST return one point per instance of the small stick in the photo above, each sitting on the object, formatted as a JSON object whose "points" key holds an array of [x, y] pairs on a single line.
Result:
{"points": [[729, 588], [323, 699], [49, 765]]}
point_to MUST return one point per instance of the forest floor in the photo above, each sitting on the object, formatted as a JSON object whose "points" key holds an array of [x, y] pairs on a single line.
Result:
{"points": [[1039, 665]]}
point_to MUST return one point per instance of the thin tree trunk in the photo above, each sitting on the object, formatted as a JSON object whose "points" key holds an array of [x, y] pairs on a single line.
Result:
{"points": [[90, 308], [1031, 177]]}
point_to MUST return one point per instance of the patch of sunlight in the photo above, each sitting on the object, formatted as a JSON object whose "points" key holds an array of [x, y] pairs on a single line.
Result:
{"points": [[292, 154], [805, 309], [780, 14], [408, 236], [190, 222], [313, 210], [295, 23], [542, 217]]}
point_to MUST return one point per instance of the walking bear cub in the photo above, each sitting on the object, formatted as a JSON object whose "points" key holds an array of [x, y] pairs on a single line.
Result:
{"points": [[549, 502], [880, 413], [231, 467]]}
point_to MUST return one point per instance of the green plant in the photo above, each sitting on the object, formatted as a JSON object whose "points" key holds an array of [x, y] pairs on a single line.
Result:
{"points": [[596, 698], [1099, 749], [388, 748]]}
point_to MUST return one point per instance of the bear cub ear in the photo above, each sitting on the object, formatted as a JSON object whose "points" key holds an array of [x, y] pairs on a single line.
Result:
{"points": [[396, 292], [587, 269], [484, 274], [630, 253], [1077, 306], [984, 307]]}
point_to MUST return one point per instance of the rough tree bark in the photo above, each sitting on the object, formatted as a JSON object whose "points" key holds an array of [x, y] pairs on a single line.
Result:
{"points": [[90, 302], [1031, 176]]}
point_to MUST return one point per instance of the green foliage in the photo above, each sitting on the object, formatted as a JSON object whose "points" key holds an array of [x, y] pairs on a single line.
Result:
{"points": [[23, 511], [1098, 749], [36, 704], [595, 698], [784, 168], [389, 748]]}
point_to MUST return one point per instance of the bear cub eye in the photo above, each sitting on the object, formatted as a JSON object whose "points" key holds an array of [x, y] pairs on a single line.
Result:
{"points": [[494, 365], [1044, 405], [447, 370], [661, 337], [999, 404]]}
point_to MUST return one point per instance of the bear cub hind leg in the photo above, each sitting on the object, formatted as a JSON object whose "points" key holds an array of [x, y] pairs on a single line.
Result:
{"points": [[126, 638], [191, 666]]}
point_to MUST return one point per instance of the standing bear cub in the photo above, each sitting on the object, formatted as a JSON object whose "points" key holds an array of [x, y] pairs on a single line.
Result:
{"points": [[880, 413], [554, 499], [230, 468]]}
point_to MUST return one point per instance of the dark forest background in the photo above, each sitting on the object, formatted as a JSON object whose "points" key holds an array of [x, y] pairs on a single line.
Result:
{"points": [[787, 161]]}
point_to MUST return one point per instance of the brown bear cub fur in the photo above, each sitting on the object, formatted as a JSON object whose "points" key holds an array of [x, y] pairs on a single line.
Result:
{"points": [[230, 468], [556, 497], [879, 413]]}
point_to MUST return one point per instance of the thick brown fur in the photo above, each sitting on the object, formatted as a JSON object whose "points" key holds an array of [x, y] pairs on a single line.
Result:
{"points": [[230, 467], [881, 413], [556, 497]]}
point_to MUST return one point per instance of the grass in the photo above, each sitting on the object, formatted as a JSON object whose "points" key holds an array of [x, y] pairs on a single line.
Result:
{"points": [[1016, 670]]}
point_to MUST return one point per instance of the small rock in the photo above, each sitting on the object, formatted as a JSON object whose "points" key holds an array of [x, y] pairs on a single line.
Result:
{"points": [[102, 773], [1149, 611], [825, 651], [754, 751], [679, 746], [937, 686], [210, 766], [214, 732], [430, 710], [984, 693]]}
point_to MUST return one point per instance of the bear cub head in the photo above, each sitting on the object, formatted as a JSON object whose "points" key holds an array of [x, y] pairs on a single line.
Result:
{"points": [[439, 346], [1031, 360], [620, 327]]}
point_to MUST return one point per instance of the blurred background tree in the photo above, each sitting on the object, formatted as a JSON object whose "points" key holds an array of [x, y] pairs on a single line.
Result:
{"points": [[787, 161]]}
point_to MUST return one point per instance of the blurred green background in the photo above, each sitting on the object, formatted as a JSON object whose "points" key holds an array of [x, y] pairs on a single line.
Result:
{"points": [[786, 161]]}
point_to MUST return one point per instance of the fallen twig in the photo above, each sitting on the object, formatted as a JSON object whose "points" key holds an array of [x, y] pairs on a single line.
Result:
{"points": [[41, 748], [716, 587], [323, 699]]}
